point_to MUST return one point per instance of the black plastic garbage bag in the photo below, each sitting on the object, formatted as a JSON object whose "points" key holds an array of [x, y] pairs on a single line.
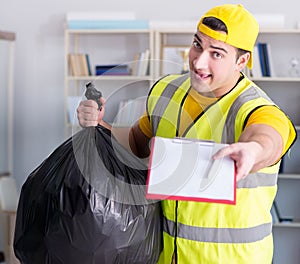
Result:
{"points": [[86, 204]]}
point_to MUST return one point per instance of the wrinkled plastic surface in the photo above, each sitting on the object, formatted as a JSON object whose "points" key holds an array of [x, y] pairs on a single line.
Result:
{"points": [[86, 204]]}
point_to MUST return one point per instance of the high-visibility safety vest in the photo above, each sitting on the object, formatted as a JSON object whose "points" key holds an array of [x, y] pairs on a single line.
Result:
{"points": [[208, 233]]}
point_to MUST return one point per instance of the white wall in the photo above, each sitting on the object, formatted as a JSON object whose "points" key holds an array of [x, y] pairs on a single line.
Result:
{"points": [[39, 61]]}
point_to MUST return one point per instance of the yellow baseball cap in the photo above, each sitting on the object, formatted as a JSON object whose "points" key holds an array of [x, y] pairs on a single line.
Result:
{"points": [[242, 27]]}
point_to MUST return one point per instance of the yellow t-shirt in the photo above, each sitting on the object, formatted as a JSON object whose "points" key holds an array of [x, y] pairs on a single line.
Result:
{"points": [[196, 103]]}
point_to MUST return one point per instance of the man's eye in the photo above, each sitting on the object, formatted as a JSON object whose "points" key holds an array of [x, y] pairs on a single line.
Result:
{"points": [[217, 55], [196, 44]]}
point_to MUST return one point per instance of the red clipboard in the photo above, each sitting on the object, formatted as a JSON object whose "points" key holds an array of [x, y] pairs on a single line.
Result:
{"points": [[183, 169]]}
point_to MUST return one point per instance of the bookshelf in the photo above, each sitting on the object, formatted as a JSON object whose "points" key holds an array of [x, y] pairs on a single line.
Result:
{"points": [[284, 89], [122, 47]]}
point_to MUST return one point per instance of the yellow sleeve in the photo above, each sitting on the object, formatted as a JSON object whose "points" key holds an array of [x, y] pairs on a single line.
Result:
{"points": [[276, 118], [145, 125]]}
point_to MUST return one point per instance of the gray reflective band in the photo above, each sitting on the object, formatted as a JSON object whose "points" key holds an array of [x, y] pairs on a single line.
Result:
{"points": [[252, 93], [169, 226], [258, 179], [219, 235], [164, 100]]}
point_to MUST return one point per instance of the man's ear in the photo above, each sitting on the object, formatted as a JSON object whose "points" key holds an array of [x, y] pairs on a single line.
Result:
{"points": [[242, 61]]}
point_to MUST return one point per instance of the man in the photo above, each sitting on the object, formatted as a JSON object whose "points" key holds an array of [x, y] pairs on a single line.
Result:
{"points": [[216, 101]]}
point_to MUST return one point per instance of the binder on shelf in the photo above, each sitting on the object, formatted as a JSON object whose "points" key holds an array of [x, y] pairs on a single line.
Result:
{"points": [[183, 169], [262, 59], [266, 60]]}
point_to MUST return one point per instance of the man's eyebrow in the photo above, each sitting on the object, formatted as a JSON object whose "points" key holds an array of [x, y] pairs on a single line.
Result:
{"points": [[218, 48], [214, 47], [198, 38]]}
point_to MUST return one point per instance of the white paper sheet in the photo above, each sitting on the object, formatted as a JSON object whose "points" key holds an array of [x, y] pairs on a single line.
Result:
{"points": [[182, 169]]}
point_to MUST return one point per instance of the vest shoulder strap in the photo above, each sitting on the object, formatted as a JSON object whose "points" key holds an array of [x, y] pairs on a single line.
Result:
{"points": [[164, 100]]}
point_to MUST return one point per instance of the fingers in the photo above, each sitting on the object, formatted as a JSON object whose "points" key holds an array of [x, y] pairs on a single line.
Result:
{"points": [[222, 153], [242, 157], [241, 170], [102, 100], [88, 113]]}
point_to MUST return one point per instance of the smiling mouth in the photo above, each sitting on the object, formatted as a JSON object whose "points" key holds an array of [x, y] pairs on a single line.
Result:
{"points": [[202, 76]]}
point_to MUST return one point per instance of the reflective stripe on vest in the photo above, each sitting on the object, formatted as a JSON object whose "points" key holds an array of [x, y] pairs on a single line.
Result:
{"points": [[258, 179], [255, 179], [228, 135], [218, 235], [164, 100]]}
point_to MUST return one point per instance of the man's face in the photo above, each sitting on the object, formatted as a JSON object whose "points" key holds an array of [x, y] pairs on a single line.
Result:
{"points": [[214, 68]]}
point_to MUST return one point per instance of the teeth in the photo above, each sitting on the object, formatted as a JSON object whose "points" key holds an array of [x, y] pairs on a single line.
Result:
{"points": [[204, 75]]}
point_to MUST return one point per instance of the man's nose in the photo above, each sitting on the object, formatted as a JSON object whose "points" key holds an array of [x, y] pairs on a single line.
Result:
{"points": [[201, 60]]}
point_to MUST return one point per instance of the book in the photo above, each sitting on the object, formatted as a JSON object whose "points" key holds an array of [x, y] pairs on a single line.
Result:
{"points": [[135, 63], [266, 60], [183, 169], [270, 59], [74, 65], [262, 58], [140, 65], [88, 64], [83, 65], [112, 69], [144, 63], [256, 68], [78, 64]]}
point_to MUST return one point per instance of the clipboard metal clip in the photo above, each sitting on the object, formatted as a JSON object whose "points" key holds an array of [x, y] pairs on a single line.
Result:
{"points": [[181, 140]]}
